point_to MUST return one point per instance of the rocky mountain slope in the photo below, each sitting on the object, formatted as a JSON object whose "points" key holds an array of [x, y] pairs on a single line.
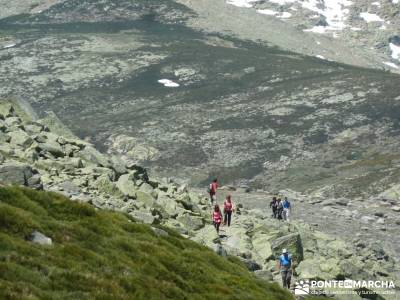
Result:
{"points": [[141, 80], [89, 254], [363, 33], [34, 155]]}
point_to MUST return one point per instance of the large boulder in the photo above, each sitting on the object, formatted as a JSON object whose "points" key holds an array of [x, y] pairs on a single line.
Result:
{"points": [[187, 203], [264, 274], [262, 248], [144, 216], [48, 144], [19, 174], [291, 242], [190, 222], [168, 205], [392, 194], [39, 238], [207, 236], [20, 138], [127, 186], [106, 186], [238, 242], [320, 268], [6, 110], [250, 264], [118, 165], [4, 138], [34, 128], [145, 198], [69, 188], [91, 155], [176, 225]]}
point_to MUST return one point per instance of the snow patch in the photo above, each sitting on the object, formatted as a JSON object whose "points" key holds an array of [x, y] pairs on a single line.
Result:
{"points": [[368, 17], [168, 83], [355, 28], [285, 15], [395, 51], [395, 1], [9, 46], [378, 4], [392, 65], [241, 3], [282, 2], [267, 12], [320, 56], [318, 29], [334, 11]]}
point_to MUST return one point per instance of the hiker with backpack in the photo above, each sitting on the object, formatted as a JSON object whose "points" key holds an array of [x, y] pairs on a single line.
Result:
{"points": [[217, 217], [286, 209], [285, 267], [274, 206], [212, 190], [228, 209], [279, 209]]}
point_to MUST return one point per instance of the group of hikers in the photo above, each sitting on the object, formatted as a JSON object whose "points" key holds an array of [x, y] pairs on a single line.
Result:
{"points": [[217, 214], [280, 210]]}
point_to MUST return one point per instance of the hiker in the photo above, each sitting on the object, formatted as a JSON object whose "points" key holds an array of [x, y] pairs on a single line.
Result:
{"points": [[228, 208], [212, 190], [286, 209], [274, 205], [217, 217], [285, 267], [279, 209]]}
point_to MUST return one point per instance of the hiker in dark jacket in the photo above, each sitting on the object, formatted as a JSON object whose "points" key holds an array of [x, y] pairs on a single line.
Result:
{"points": [[279, 209], [274, 205]]}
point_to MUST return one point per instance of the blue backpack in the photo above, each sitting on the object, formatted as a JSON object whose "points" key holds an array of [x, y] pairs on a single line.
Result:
{"points": [[286, 204], [286, 260]]}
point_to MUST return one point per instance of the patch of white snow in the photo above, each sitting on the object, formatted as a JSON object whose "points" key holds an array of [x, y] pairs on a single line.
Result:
{"points": [[267, 12], [395, 51], [368, 17], [241, 3], [392, 65], [168, 83], [9, 46]]}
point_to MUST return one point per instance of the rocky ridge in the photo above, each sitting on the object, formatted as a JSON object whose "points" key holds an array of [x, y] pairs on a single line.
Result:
{"points": [[35, 153], [363, 33]]}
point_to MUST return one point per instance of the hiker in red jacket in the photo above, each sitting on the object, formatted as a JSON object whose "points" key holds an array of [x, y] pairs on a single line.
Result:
{"points": [[228, 208], [217, 217], [213, 190]]}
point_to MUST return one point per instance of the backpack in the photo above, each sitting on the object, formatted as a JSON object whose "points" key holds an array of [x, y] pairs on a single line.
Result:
{"points": [[286, 204], [285, 261]]}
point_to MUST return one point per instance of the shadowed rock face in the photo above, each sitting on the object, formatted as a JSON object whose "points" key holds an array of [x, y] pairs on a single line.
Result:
{"points": [[236, 109]]}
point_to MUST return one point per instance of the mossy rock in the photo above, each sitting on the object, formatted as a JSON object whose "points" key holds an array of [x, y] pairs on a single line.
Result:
{"points": [[291, 242]]}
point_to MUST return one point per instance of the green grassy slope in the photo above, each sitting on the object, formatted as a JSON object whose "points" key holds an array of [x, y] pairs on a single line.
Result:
{"points": [[106, 255]]}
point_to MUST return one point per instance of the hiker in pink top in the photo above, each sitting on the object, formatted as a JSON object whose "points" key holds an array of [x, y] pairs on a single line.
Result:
{"points": [[228, 209], [217, 217], [212, 189]]}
